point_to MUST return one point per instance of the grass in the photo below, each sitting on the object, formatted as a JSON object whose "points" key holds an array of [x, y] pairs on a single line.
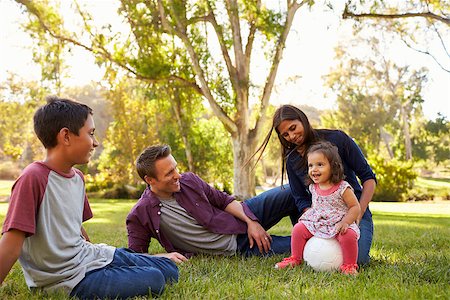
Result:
{"points": [[5, 188], [433, 184], [410, 261]]}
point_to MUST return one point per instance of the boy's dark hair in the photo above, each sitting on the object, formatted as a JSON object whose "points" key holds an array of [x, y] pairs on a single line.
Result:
{"points": [[59, 113], [145, 163], [331, 152]]}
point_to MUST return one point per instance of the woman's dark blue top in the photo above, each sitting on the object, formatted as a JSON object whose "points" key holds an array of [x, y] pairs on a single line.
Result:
{"points": [[353, 160]]}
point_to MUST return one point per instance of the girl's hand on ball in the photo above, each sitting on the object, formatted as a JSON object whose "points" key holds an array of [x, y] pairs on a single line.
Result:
{"points": [[341, 227]]}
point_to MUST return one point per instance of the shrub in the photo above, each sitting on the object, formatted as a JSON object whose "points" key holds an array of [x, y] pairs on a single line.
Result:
{"points": [[9, 170], [126, 191], [394, 178]]}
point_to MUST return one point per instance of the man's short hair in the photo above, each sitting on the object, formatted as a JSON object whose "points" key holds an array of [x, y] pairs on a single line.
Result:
{"points": [[145, 163], [59, 113]]}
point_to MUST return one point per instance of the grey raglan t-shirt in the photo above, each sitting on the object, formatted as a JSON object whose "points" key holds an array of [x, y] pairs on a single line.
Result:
{"points": [[186, 233], [50, 208]]}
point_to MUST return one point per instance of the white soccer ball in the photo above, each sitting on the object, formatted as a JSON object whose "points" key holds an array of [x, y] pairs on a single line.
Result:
{"points": [[323, 254]]}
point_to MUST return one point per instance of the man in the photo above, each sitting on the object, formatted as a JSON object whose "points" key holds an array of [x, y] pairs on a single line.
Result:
{"points": [[188, 216]]}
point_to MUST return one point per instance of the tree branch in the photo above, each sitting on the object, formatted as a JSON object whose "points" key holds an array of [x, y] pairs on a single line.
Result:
{"points": [[218, 111], [219, 33], [428, 15], [427, 53], [240, 63], [441, 40], [251, 37], [292, 9], [233, 14], [100, 50]]}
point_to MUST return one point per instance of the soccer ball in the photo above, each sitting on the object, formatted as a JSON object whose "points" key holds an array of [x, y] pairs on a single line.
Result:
{"points": [[323, 254]]}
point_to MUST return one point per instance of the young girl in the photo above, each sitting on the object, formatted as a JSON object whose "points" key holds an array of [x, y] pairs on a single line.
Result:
{"points": [[334, 210]]}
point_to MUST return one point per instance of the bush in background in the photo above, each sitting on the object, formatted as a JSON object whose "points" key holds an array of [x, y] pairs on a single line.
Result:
{"points": [[394, 178], [9, 170]]}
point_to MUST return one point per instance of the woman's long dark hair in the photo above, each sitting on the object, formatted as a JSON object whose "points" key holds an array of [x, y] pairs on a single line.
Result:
{"points": [[289, 112]]}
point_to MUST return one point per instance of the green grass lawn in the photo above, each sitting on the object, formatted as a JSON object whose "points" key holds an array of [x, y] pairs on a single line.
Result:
{"points": [[5, 188], [410, 260], [439, 187]]}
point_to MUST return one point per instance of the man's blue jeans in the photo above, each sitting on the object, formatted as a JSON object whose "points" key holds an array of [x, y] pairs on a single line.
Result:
{"points": [[270, 207], [129, 274]]}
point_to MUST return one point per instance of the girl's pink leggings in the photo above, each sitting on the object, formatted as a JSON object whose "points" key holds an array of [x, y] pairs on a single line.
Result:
{"points": [[348, 242]]}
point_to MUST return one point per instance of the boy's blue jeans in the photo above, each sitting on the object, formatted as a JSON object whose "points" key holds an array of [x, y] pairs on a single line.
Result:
{"points": [[270, 207], [273, 205], [129, 274]]}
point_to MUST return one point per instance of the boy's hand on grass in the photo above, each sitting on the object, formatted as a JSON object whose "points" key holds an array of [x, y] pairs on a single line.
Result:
{"points": [[176, 257]]}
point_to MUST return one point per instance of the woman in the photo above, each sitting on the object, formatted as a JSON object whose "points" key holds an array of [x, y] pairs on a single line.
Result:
{"points": [[296, 136]]}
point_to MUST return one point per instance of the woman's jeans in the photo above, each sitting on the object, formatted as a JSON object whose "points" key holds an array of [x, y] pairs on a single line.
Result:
{"points": [[129, 274], [270, 207], [365, 239]]}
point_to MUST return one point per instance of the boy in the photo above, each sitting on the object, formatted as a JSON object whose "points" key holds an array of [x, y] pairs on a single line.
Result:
{"points": [[48, 205]]}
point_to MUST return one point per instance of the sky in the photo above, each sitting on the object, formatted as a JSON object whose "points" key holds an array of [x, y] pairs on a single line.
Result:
{"points": [[308, 55]]}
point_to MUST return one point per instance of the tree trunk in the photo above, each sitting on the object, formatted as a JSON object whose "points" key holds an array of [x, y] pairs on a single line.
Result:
{"points": [[408, 147], [264, 169], [244, 176], [182, 127], [385, 138]]}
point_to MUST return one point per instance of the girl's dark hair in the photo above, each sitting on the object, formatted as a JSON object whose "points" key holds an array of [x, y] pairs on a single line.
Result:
{"points": [[58, 113], [289, 112], [331, 152]]}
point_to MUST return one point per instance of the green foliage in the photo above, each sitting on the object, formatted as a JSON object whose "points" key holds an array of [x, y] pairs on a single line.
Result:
{"points": [[404, 265], [394, 178], [48, 51], [379, 101], [433, 142], [410, 22], [18, 101], [213, 155], [132, 129], [146, 115]]}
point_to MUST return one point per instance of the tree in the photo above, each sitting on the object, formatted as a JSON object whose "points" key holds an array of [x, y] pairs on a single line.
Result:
{"points": [[142, 117], [433, 142], [93, 95], [48, 52], [18, 101], [190, 32], [376, 98], [415, 21]]}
